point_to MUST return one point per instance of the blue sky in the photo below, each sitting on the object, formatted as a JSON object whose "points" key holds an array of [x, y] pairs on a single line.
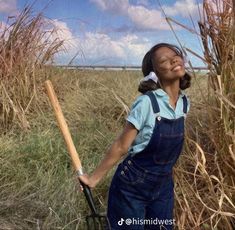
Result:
{"points": [[113, 32]]}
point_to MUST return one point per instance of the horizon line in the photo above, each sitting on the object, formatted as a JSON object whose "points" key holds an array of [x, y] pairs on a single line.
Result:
{"points": [[123, 67]]}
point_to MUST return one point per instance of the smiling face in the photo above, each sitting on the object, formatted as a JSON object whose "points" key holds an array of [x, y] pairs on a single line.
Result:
{"points": [[168, 64]]}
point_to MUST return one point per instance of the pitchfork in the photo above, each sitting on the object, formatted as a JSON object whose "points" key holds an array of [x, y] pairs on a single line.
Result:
{"points": [[95, 221]]}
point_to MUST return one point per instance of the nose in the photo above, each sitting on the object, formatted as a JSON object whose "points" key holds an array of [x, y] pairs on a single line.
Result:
{"points": [[174, 60]]}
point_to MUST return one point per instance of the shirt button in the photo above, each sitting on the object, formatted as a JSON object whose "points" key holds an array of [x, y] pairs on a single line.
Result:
{"points": [[125, 167], [129, 162], [159, 118], [122, 172]]}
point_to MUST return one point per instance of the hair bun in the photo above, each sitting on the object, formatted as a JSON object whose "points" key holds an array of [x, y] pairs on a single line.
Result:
{"points": [[185, 82]]}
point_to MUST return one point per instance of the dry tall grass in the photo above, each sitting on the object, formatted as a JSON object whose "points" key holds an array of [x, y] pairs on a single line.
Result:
{"points": [[26, 46], [205, 176], [37, 187]]}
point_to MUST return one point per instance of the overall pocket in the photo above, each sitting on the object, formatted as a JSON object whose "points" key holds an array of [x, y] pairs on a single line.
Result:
{"points": [[128, 174]]}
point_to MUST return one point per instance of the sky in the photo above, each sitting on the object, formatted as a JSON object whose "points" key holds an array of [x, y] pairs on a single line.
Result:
{"points": [[114, 32]]}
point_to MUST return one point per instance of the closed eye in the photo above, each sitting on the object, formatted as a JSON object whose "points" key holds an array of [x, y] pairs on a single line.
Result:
{"points": [[163, 61]]}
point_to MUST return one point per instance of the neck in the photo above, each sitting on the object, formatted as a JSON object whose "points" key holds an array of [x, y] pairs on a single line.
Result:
{"points": [[172, 89]]}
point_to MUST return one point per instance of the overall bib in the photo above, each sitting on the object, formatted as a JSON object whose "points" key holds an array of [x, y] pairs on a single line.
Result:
{"points": [[141, 194]]}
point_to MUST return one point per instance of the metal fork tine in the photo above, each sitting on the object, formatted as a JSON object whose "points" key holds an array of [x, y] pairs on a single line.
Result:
{"points": [[101, 222], [97, 222], [97, 219], [104, 223]]}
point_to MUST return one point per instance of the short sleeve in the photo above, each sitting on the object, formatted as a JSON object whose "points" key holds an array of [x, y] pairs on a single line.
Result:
{"points": [[139, 112]]}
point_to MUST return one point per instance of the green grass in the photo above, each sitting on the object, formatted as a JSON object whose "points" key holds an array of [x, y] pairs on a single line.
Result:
{"points": [[39, 189], [38, 185]]}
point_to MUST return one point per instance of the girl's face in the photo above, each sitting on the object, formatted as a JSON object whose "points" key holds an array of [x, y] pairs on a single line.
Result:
{"points": [[168, 64]]}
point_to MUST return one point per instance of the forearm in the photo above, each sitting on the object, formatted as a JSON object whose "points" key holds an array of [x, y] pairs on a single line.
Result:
{"points": [[113, 155], [117, 150]]}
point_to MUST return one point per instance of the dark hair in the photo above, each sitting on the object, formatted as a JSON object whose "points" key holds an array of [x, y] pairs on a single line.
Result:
{"points": [[147, 67]]}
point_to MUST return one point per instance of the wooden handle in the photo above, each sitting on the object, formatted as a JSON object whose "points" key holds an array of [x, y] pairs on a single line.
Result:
{"points": [[63, 126]]}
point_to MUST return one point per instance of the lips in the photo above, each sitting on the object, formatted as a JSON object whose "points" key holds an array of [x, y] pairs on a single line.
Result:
{"points": [[176, 68]]}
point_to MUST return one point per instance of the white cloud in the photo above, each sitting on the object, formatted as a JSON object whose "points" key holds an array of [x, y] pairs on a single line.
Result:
{"points": [[102, 49], [63, 32], [142, 17], [99, 48], [101, 45], [183, 8], [134, 46], [149, 19], [8, 6]]}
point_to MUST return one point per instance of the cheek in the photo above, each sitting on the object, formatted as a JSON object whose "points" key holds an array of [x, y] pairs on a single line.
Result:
{"points": [[164, 67]]}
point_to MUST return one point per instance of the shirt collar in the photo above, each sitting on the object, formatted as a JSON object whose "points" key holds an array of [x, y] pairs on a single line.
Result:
{"points": [[160, 92]]}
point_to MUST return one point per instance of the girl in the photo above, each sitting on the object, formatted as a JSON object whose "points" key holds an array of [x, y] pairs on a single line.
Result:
{"points": [[141, 194]]}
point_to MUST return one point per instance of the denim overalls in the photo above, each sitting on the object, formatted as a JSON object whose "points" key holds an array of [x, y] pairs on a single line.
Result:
{"points": [[141, 194]]}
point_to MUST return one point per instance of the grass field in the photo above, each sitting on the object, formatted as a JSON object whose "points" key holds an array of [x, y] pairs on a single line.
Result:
{"points": [[37, 183], [38, 186]]}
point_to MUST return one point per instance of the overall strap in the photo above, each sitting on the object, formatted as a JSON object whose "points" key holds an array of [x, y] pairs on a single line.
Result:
{"points": [[153, 101], [185, 104]]}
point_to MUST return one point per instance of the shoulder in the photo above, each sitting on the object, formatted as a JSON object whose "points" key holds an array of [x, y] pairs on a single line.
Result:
{"points": [[160, 94], [140, 111], [141, 101]]}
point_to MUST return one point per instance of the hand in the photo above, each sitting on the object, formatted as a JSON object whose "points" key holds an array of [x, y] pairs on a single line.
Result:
{"points": [[87, 180]]}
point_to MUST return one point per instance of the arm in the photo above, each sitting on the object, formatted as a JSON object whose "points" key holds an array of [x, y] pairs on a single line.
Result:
{"points": [[117, 150]]}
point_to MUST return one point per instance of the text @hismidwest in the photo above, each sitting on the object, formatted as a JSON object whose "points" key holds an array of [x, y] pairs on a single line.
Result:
{"points": [[138, 221]]}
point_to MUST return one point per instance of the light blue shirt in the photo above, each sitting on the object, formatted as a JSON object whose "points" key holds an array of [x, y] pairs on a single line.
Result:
{"points": [[143, 117]]}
